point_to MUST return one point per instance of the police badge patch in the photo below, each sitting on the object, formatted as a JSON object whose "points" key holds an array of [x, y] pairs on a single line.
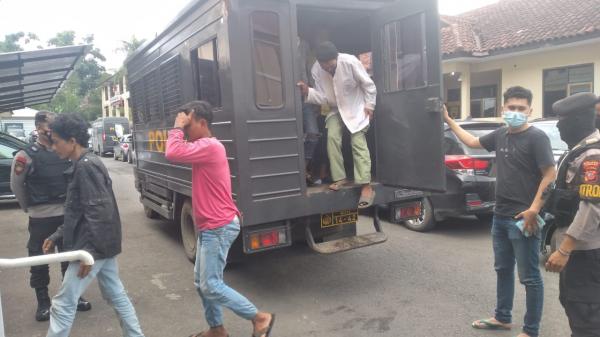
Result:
{"points": [[590, 171], [20, 163]]}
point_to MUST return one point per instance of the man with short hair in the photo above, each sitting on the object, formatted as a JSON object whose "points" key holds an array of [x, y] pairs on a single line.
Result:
{"points": [[37, 179], [92, 223], [575, 203], [216, 217], [525, 168], [342, 83]]}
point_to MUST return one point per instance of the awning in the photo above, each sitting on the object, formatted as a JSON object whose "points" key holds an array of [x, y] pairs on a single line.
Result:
{"points": [[33, 77]]}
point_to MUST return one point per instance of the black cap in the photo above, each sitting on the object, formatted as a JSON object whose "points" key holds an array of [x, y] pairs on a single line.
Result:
{"points": [[326, 51], [575, 104]]}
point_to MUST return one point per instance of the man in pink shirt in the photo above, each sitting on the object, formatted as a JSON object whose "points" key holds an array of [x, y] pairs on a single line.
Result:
{"points": [[216, 218]]}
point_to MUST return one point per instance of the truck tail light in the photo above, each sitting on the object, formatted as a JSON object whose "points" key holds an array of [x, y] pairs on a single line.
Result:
{"points": [[267, 239], [466, 165]]}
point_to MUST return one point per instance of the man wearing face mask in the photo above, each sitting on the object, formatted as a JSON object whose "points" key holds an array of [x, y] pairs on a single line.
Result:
{"points": [[575, 203], [38, 182], [525, 167]]}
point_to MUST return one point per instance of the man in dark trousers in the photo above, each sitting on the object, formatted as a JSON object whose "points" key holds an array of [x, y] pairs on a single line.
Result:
{"points": [[575, 203], [38, 182]]}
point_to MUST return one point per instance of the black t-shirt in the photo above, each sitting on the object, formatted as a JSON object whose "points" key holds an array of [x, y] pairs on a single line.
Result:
{"points": [[520, 157]]}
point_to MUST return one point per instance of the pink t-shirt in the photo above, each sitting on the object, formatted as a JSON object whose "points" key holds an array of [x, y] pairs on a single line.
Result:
{"points": [[211, 180]]}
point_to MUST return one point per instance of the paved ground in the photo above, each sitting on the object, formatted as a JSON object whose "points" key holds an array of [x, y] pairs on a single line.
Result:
{"points": [[416, 284]]}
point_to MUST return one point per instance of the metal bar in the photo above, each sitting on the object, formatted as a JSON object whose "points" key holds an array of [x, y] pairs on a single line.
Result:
{"points": [[78, 255], [19, 77], [20, 99]]}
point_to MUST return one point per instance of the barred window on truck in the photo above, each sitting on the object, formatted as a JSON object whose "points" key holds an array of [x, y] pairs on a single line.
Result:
{"points": [[268, 83]]}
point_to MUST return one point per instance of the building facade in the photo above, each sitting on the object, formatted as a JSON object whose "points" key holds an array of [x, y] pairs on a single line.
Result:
{"points": [[551, 47], [115, 97]]}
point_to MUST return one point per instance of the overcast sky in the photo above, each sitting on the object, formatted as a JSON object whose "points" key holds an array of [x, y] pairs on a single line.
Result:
{"points": [[114, 20]]}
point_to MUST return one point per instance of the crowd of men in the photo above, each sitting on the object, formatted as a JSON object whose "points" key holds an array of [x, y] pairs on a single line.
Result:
{"points": [[68, 195]]}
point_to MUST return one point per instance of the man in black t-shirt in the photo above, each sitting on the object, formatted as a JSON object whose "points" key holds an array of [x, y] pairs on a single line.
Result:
{"points": [[525, 167]]}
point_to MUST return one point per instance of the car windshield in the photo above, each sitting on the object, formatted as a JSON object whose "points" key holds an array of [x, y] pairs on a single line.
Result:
{"points": [[551, 130]]}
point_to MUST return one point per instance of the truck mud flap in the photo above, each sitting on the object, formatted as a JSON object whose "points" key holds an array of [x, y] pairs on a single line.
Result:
{"points": [[348, 243]]}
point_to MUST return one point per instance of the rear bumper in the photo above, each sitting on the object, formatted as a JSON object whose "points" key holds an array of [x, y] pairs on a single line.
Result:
{"points": [[455, 202]]}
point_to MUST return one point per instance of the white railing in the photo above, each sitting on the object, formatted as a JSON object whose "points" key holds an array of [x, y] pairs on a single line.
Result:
{"points": [[78, 255]]}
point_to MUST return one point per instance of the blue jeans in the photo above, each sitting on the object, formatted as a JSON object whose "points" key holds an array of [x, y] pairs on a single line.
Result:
{"points": [[211, 258], [511, 245], [311, 129], [64, 304]]}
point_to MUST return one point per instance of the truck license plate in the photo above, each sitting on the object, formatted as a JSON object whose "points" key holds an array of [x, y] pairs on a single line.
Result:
{"points": [[339, 218]]}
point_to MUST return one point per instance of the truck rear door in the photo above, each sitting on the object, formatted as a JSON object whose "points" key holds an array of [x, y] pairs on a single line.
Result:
{"points": [[408, 122]]}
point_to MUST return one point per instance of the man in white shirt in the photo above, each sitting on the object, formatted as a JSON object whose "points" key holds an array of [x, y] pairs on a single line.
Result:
{"points": [[342, 83]]}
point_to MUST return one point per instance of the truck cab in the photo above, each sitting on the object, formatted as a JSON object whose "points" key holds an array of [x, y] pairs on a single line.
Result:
{"points": [[242, 57]]}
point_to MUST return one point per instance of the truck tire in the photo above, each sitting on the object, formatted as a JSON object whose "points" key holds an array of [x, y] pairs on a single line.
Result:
{"points": [[425, 222], [189, 237], [150, 213]]}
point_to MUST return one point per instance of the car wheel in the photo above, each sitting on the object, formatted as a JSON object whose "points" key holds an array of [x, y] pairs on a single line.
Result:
{"points": [[150, 213], [189, 236], [426, 221]]}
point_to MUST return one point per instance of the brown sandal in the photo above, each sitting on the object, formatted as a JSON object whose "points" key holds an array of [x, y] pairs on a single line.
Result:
{"points": [[336, 186]]}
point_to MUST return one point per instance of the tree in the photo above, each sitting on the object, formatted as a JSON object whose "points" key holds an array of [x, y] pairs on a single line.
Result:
{"points": [[14, 42], [129, 47], [63, 39], [81, 92]]}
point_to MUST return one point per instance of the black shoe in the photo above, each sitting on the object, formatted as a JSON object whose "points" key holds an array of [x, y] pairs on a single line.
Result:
{"points": [[83, 305], [42, 313]]}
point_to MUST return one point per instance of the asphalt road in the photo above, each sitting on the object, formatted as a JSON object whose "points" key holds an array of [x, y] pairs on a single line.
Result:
{"points": [[415, 284]]}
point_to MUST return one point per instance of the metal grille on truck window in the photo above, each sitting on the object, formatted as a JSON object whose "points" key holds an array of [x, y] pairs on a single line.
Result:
{"points": [[268, 83], [404, 54], [152, 102], [137, 101], [171, 89]]}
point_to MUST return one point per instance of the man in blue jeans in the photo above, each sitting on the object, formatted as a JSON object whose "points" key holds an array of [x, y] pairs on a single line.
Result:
{"points": [[216, 217], [525, 168], [91, 223]]}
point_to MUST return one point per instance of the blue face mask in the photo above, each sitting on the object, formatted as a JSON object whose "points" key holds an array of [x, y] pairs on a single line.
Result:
{"points": [[515, 119]]}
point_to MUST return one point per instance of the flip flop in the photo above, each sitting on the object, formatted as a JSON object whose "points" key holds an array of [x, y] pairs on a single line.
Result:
{"points": [[336, 186], [266, 331], [486, 324], [366, 201]]}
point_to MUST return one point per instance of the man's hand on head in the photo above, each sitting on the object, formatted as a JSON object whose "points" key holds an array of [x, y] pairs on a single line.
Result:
{"points": [[182, 120]]}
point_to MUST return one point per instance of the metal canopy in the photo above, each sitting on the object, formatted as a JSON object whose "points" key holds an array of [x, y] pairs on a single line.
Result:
{"points": [[33, 77]]}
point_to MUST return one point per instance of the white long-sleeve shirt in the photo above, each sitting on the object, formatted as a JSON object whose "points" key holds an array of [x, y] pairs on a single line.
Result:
{"points": [[351, 90]]}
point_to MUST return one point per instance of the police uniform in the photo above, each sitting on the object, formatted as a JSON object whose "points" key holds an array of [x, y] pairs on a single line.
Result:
{"points": [[38, 181], [576, 204]]}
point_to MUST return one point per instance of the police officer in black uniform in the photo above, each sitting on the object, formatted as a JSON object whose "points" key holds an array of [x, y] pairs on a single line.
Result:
{"points": [[575, 202], [37, 179]]}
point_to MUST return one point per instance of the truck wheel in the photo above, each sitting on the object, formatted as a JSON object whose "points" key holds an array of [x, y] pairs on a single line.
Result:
{"points": [[425, 222], [150, 213], [188, 230]]}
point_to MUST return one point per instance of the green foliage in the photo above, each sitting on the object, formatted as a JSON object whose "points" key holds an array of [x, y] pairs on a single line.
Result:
{"points": [[129, 47], [81, 93], [13, 42]]}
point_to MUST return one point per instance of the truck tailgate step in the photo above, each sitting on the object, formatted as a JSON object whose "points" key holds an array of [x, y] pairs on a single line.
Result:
{"points": [[349, 243]]}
